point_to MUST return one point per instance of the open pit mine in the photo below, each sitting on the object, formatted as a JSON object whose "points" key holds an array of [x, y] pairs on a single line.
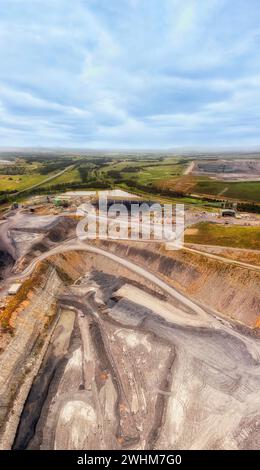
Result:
{"points": [[124, 345]]}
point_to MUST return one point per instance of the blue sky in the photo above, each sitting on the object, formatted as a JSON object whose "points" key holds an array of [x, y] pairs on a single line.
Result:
{"points": [[130, 73]]}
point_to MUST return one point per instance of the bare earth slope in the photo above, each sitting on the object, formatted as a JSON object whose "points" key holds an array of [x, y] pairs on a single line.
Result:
{"points": [[126, 345], [231, 290], [129, 366]]}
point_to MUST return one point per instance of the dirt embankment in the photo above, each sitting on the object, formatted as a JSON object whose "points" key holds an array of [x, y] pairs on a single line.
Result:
{"points": [[31, 241], [128, 368], [236, 254], [122, 365], [26, 324], [94, 388], [231, 290], [28, 320]]}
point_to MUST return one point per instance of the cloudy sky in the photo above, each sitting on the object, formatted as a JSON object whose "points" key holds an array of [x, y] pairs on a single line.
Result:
{"points": [[129, 73]]}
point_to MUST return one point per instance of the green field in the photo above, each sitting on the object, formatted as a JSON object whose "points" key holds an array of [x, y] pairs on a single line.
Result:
{"points": [[225, 235], [19, 182], [143, 172], [154, 174], [32, 173], [162, 176], [69, 176], [236, 190]]}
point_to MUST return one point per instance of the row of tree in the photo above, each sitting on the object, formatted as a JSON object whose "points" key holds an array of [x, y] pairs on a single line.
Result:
{"points": [[152, 189], [55, 166], [93, 183], [13, 170]]}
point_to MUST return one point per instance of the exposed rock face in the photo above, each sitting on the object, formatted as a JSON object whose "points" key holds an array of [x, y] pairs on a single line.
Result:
{"points": [[231, 290], [6, 264], [63, 228], [30, 323], [128, 366], [96, 352]]}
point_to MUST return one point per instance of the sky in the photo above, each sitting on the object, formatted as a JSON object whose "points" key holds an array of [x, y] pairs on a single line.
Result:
{"points": [[133, 74]]}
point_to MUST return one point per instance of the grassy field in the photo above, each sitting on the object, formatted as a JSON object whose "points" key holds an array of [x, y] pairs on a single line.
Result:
{"points": [[146, 173], [161, 173], [156, 174], [236, 190], [235, 236], [28, 174], [19, 182], [246, 191], [170, 200], [69, 176]]}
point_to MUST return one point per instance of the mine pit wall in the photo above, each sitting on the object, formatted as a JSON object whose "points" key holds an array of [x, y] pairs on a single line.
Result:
{"points": [[6, 264], [54, 358], [72, 265], [231, 290], [21, 359], [236, 254], [235, 295], [34, 323]]}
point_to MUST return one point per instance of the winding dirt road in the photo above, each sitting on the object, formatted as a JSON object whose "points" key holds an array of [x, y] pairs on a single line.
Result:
{"points": [[74, 245]]}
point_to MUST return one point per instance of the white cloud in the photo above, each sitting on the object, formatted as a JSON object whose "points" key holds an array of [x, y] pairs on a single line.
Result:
{"points": [[128, 72]]}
